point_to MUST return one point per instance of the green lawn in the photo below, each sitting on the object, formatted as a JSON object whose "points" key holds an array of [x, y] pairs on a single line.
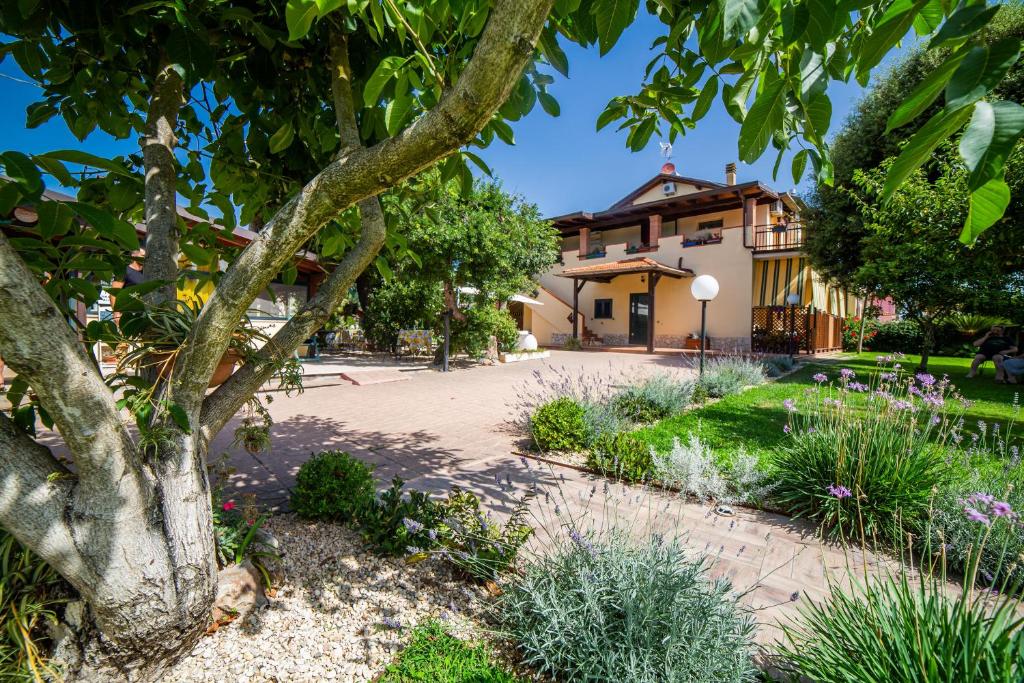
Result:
{"points": [[755, 418], [435, 656]]}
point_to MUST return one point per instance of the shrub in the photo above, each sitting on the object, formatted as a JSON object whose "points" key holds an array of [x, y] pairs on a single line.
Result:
{"points": [[473, 333], [869, 472], [572, 344], [559, 425], [1000, 558], [652, 399], [333, 486], [474, 542], [622, 455], [776, 366], [691, 467], [851, 332], [897, 335], [892, 630], [605, 610], [30, 592], [399, 519], [602, 419], [434, 655], [726, 375]]}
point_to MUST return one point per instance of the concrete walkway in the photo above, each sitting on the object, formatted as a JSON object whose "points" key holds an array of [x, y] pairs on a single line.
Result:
{"points": [[439, 430]]}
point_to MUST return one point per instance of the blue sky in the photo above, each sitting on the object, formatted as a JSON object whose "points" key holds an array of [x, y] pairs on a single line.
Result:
{"points": [[562, 164]]}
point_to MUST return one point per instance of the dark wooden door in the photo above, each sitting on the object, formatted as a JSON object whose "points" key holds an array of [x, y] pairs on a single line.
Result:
{"points": [[639, 318]]}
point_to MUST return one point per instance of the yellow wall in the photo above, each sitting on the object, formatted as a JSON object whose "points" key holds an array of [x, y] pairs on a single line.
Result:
{"points": [[655, 193]]}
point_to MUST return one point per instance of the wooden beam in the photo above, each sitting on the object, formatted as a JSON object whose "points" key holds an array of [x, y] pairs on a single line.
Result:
{"points": [[652, 281]]}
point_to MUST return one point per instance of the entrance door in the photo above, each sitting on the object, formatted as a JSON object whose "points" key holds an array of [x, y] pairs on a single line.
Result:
{"points": [[639, 318]]}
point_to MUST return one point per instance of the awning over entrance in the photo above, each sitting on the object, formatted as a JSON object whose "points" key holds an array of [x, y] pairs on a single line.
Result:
{"points": [[606, 272]]}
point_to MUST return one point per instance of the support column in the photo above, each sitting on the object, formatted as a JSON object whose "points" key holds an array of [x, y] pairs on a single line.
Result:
{"points": [[655, 232], [576, 308], [652, 281], [584, 242], [750, 222]]}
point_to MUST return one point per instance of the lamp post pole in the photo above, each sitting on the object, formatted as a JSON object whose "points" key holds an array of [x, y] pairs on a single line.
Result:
{"points": [[703, 332]]}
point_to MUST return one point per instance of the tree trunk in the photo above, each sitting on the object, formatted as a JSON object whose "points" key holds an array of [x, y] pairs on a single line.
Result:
{"points": [[927, 343], [156, 585]]}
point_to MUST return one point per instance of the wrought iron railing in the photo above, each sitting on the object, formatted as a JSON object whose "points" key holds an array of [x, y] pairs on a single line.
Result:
{"points": [[778, 237]]}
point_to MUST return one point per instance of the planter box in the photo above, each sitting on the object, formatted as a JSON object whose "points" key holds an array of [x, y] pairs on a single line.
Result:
{"points": [[516, 357]]}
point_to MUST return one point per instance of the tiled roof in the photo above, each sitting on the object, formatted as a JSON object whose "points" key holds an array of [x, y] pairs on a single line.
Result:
{"points": [[640, 264]]}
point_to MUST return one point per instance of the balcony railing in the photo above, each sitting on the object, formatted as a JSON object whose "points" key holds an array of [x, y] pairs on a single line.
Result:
{"points": [[778, 237]]}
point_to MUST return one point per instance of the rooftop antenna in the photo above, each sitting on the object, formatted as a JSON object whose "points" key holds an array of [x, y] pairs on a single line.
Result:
{"points": [[668, 168]]}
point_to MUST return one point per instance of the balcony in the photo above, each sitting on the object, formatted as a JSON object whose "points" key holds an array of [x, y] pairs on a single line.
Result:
{"points": [[778, 238]]}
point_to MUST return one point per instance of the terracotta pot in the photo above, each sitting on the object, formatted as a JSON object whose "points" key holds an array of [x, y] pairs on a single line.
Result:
{"points": [[231, 358]]}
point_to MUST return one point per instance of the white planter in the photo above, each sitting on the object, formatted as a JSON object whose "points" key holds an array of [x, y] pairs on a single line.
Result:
{"points": [[526, 341], [516, 357]]}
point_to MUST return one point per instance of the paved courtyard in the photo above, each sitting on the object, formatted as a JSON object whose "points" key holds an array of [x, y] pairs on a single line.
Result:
{"points": [[436, 430]]}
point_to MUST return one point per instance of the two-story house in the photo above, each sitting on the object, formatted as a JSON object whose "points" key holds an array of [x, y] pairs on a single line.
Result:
{"points": [[625, 272]]}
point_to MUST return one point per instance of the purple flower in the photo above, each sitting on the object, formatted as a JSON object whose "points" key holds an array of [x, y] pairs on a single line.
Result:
{"points": [[811, 430], [820, 377], [847, 373], [858, 386], [980, 499], [789, 405], [1002, 509], [412, 525], [902, 405], [976, 516], [392, 623], [925, 379], [915, 391], [832, 402], [934, 400], [786, 429], [887, 376], [839, 491]]}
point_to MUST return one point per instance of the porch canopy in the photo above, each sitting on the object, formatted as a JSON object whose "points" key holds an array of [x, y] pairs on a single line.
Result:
{"points": [[606, 272]]}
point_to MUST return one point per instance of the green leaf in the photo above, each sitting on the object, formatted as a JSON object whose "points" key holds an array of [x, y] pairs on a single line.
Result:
{"points": [[893, 26], [21, 170], [990, 136], [963, 23], [549, 104], [612, 112], [384, 72], [478, 161], [282, 139], [74, 156], [981, 70], [54, 219], [799, 164], [383, 268], [920, 147], [705, 100], [397, 113], [640, 135], [552, 52], [987, 205], [739, 16], [764, 117], [55, 168], [818, 113], [929, 18], [612, 17], [108, 225], [299, 16], [9, 196], [924, 94], [27, 7], [179, 416], [503, 131]]}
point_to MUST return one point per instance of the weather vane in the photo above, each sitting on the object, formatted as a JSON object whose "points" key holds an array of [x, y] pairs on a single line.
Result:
{"points": [[666, 149]]}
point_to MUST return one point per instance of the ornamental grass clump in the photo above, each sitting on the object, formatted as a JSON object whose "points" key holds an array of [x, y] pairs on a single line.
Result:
{"points": [[652, 398], [863, 460], [608, 609]]}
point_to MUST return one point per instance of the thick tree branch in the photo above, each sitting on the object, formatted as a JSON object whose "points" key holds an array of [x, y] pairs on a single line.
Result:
{"points": [[34, 489], [500, 56], [232, 395], [161, 173]]}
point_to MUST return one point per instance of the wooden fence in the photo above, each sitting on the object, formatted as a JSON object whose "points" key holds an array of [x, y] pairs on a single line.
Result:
{"points": [[778, 329]]}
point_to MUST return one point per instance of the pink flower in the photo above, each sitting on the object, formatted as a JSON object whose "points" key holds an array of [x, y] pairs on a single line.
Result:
{"points": [[229, 506], [1001, 509], [976, 516]]}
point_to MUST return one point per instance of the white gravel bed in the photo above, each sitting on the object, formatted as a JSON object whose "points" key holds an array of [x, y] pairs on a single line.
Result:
{"points": [[327, 620]]}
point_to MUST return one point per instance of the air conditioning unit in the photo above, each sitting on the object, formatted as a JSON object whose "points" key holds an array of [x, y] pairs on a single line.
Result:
{"points": [[668, 189]]}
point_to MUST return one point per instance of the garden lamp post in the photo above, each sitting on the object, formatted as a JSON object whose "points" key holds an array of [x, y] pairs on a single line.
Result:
{"points": [[792, 300], [704, 288]]}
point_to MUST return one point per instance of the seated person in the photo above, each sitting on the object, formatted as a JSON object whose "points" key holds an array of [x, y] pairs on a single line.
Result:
{"points": [[1012, 369], [993, 346]]}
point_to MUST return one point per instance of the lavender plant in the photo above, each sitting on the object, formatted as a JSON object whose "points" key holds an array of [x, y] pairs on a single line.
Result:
{"points": [[726, 375], [603, 608], [652, 398]]}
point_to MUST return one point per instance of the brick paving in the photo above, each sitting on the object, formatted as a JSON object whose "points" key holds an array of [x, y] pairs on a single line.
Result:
{"points": [[440, 430]]}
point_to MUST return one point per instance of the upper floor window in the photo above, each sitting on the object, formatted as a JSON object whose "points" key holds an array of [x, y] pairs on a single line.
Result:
{"points": [[602, 308], [710, 225]]}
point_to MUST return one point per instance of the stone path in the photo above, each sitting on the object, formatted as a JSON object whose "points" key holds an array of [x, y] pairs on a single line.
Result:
{"points": [[439, 430]]}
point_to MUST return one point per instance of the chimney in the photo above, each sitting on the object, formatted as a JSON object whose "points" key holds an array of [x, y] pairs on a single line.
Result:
{"points": [[730, 174]]}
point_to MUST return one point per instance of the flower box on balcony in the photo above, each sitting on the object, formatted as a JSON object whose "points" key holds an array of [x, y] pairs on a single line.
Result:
{"points": [[594, 254]]}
